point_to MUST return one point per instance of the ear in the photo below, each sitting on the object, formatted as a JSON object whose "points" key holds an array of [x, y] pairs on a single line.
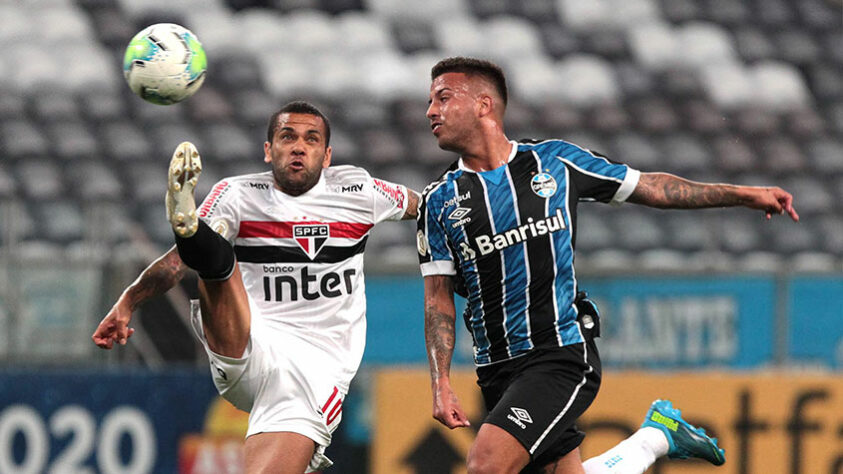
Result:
{"points": [[326, 161], [267, 158], [486, 105]]}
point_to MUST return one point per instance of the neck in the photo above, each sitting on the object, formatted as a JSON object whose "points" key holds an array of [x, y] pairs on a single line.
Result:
{"points": [[490, 153]]}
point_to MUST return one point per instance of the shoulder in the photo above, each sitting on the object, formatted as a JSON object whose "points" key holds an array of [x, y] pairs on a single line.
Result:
{"points": [[345, 174], [253, 180], [436, 186]]}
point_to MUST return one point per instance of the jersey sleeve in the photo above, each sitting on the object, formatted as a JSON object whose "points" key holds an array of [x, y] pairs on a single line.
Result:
{"points": [[390, 200], [435, 254], [220, 210], [598, 178]]}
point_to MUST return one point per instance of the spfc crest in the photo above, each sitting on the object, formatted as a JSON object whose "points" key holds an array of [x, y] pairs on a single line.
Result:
{"points": [[311, 237]]}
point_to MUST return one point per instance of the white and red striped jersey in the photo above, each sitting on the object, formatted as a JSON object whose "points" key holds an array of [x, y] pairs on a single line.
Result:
{"points": [[301, 257]]}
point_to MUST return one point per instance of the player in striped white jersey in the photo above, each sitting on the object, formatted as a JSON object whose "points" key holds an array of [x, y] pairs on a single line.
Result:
{"points": [[284, 328]]}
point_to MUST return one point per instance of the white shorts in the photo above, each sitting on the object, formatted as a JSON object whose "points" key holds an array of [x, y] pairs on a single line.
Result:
{"points": [[282, 381]]}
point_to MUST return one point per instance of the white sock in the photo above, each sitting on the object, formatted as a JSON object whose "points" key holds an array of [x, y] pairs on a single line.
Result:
{"points": [[633, 455]]}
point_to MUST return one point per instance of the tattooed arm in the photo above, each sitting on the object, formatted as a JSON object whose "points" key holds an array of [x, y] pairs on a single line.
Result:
{"points": [[439, 335], [412, 205], [159, 276], [666, 191]]}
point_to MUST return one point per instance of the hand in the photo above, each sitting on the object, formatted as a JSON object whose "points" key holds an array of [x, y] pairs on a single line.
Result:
{"points": [[773, 201], [114, 327], [447, 409]]}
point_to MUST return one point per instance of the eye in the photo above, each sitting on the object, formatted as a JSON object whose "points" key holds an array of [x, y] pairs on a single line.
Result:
{"points": [[313, 139], [287, 136]]}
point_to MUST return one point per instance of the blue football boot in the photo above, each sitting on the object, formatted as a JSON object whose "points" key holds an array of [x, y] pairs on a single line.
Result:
{"points": [[686, 441]]}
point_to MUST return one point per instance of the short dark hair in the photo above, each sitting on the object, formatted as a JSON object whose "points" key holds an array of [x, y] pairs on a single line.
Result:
{"points": [[473, 67], [298, 107]]}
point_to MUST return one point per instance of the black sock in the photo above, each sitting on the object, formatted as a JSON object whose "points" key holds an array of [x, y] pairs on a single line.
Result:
{"points": [[207, 252]]}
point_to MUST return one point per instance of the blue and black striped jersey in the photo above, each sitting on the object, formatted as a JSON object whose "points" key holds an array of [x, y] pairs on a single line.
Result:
{"points": [[508, 237]]}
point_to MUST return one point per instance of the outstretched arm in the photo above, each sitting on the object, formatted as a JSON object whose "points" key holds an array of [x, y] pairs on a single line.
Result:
{"points": [[439, 336], [161, 275], [412, 205], [667, 191]]}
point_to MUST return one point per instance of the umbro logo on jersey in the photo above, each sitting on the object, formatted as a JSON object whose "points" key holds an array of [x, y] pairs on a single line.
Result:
{"points": [[521, 417], [311, 237], [459, 213]]}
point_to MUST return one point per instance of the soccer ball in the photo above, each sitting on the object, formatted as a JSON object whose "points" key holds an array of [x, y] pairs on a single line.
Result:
{"points": [[165, 64]]}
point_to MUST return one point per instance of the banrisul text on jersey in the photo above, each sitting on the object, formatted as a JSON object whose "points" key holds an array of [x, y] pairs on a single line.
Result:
{"points": [[508, 236]]}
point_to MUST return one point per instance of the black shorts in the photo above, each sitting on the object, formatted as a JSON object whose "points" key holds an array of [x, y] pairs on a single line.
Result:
{"points": [[538, 397]]}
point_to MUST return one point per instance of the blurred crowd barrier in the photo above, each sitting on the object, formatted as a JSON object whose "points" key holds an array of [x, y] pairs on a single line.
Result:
{"points": [[768, 422]]}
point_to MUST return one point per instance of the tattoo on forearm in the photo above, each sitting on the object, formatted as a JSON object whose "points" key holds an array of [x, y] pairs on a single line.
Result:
{"points": [[672, 192], [157, 278], [439, 336], [412, 205]]}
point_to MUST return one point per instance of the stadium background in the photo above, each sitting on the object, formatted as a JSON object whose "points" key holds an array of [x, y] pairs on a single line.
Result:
{"points": [[738, 320]]}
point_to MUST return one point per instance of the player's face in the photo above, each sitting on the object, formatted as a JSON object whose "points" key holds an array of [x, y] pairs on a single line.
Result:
{"points": [[452, 110], [297, 152]]}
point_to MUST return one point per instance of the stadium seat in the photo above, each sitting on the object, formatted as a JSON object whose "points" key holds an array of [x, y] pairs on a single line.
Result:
{"points": [[812, 197], [826, 156], [589, 80], [22, 139], [73, 140], [637, 151], [782, 156], [680, 11], [774, 14], [594, 229], [737, 233], [702, 117], [40, 179], [797, 46], [690, 232], [727, 12], [102, 107], [760, 262], [654, 115], [733, 154], [94, 180], [51, 105], [814, 262], [684, 154], [124, 141], [228, 142], [8, 185], [59, 221], [666, 260], [830, 229], [639, 229], [753, 44]]}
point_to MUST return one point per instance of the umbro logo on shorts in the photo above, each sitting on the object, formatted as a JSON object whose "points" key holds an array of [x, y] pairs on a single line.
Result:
{"points": [[520, 417]]}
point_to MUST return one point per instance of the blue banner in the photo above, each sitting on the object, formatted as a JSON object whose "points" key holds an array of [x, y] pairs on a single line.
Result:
{"points": [[815, 323], [685, 322], [107, 422]]}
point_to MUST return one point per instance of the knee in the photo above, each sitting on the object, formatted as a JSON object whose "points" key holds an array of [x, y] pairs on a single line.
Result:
{"points": [[481, 461]]}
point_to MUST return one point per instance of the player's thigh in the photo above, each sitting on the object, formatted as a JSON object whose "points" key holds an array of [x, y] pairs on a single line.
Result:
{"points": [[496, 451], [570, 463], [540, 405], [278, 453], [226, 315]]}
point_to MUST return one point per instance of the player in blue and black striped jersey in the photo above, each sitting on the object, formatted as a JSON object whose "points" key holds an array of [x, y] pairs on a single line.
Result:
{"points": [[500, 227]]}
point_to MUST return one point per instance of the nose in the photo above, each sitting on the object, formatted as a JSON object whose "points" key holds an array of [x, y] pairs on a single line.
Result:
{"points": [[432, 110]]}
